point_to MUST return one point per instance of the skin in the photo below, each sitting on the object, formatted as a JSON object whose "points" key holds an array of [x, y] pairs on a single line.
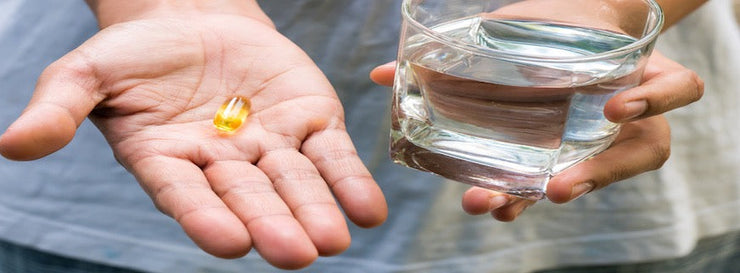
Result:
{"points": [[152, 85], [644, 141], [153, 77], [642, 145]]}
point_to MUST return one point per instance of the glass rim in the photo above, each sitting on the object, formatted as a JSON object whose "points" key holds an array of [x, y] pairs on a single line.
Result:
{"points": [[646, 39]]}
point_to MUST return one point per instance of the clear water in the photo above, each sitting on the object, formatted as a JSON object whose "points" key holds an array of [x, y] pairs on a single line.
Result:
{"points": [[505, 124]]}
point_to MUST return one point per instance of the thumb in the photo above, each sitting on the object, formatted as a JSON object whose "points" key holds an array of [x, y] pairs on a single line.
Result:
{"points": [[65, 94], [383, 74]]}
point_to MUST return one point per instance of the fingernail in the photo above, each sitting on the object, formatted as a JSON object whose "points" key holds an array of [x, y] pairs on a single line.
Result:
{"points": [[635, 109], [497, 202], [580, 190]]}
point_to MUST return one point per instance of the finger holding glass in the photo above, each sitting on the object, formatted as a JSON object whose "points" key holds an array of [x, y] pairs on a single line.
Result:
{"points": [[504, 96]]}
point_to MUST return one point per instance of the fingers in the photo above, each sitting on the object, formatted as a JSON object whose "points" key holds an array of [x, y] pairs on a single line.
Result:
{"points": [[64, 96], [479, 201], [180, 190], [512, 210], [667, 86], [383, 74], [502, 207], [276, 235], [642, 146], [336, 159], [304, 191]]}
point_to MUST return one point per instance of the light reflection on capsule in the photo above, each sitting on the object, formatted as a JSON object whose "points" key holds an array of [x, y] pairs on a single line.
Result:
{"points": [[232, 114]]}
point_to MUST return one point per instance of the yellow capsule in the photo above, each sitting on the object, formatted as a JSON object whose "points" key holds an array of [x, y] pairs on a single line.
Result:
{"points": [[232, 114]]}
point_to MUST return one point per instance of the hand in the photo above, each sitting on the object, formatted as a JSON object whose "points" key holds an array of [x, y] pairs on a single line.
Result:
{"points": [[642, 145], [152, 87]]}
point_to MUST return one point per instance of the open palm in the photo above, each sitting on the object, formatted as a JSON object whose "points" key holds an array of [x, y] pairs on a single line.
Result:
{"points": [[152, 87]]}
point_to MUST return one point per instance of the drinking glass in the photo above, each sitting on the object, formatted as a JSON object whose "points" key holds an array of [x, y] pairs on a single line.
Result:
{"points": [[504, 94]]}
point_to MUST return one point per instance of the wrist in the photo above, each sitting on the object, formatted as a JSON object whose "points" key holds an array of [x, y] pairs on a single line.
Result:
{"points": [[109, 12]]}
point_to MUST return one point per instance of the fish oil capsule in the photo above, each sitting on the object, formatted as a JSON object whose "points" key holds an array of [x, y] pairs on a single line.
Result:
{"points": [[232, 114]]}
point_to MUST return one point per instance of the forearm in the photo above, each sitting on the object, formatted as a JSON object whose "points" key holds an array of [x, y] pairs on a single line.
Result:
{"points": [[675, 10], [110, 12]]}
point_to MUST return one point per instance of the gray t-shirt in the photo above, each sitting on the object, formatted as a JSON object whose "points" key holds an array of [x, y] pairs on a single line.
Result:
{"points": [[80, 203]]}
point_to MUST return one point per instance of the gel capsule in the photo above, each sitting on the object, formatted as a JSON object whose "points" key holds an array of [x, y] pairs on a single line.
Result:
{"points": [[232, 114]]}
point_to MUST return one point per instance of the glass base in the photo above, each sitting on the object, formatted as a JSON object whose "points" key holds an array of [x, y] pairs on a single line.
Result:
{"points": [[528, 186]]}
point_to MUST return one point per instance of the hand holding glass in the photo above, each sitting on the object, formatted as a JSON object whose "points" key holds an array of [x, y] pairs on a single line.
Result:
{"points": [[505, 94]]}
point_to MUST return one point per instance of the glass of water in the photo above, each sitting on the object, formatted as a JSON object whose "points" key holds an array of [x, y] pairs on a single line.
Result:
{"points": [[504, 94]]}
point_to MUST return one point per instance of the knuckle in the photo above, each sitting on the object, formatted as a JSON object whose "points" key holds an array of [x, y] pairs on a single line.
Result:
{"points": [[696, 84], [295, 175], [336, 154], [74, 66], [619, 173], [660, 152], [167, 200]]}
